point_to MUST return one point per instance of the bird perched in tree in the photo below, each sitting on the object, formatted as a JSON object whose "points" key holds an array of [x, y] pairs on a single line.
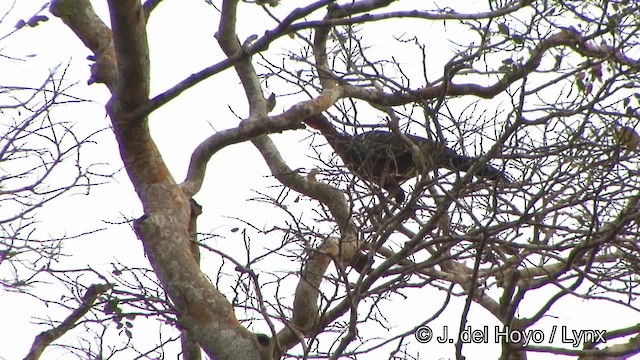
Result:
{"points": [[385, 159]]}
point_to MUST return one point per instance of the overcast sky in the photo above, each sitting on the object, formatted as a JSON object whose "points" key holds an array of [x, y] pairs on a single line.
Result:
{"points": [[181, 42]]}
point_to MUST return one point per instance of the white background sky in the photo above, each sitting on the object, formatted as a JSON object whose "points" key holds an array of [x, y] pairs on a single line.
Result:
{"points": [[181, 42]]}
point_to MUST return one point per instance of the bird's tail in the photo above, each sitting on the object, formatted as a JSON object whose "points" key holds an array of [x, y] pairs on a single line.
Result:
{"points": [[464, 163]]}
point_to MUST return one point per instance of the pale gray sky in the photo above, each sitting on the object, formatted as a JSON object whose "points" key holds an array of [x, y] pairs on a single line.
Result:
{"points": [[181, 42]]}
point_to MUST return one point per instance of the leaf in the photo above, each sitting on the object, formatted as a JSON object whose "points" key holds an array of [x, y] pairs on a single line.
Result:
{"points": [[36, 20], [503, 29], [589, 88], [628, 137], [596, 71], [111, 306], [558, 62]]}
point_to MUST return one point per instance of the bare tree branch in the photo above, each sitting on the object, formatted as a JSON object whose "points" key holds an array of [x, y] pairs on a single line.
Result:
{"points": [[80, 17], [47, 337]]}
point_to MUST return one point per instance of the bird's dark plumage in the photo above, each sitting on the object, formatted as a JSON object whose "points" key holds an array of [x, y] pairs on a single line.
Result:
{"points": [[385, 159]]}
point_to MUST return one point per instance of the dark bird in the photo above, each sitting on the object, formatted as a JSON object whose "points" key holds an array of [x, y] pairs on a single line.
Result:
{"points": [[385, 159]]}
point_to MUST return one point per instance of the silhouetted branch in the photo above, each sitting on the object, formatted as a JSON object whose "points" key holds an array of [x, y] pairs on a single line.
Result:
{"points": [[47, 337]]}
